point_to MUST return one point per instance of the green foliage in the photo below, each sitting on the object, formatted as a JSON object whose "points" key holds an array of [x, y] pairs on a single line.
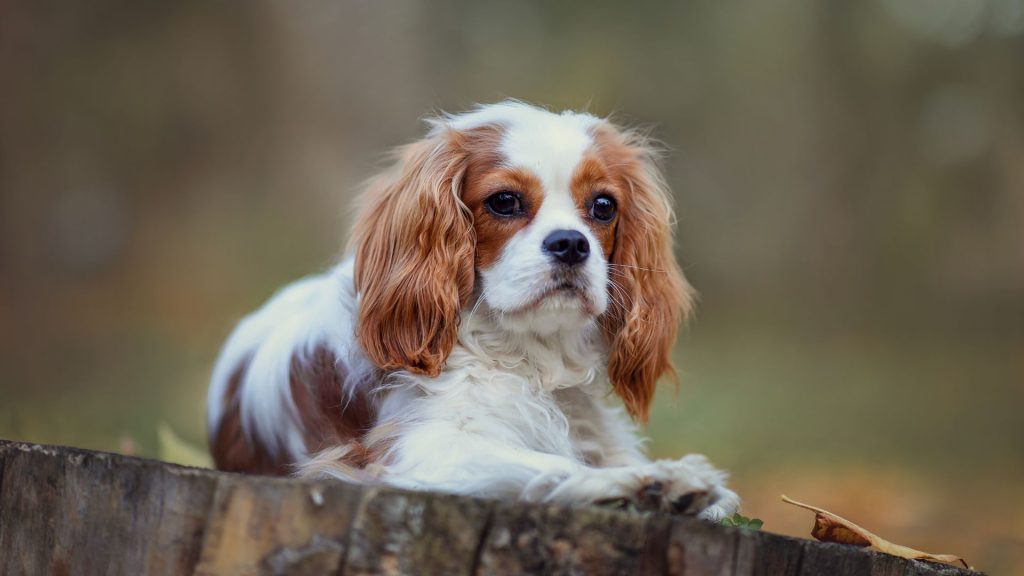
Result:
{"points": [[741, 521]]}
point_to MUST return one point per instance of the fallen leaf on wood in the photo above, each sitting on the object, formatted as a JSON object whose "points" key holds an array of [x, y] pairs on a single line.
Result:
{"points": [[829, 527]]}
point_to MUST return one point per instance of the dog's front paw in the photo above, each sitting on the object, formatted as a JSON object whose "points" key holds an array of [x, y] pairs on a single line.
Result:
{"points": [[688, 486]]}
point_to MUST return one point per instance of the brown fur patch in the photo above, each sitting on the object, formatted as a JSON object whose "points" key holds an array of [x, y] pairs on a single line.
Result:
{"points": [[493, 232], [327, 416], [652, 296], [591, 179], [422, 234], [229, 445], [327, 419], [414, 252]]}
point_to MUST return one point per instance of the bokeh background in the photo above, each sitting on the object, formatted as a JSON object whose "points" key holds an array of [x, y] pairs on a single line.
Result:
{"points": [[849, 178]]}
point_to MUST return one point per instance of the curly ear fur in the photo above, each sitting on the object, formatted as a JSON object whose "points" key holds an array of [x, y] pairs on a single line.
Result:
{"points": [[414, 252], [642, 329]]}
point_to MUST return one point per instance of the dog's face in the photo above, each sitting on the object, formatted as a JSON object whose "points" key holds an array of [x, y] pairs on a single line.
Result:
{"points": [[544, 217], [549, 223]]}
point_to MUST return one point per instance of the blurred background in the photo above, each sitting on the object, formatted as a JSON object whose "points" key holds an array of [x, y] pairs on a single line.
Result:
{"points": [[849, 178]]}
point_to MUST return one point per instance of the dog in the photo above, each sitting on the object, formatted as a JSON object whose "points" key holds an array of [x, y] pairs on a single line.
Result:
{"points": [[511, 272]]}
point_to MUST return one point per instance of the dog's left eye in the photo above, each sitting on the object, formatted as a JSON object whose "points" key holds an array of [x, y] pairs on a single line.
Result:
{"points": [[505, 204], [603, 208]]}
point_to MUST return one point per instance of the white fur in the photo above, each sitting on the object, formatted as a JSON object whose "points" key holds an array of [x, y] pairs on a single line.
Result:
{"points": [[519, 409], [319, 310]]}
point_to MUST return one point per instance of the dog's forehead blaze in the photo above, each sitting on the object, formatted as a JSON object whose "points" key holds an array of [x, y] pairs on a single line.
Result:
{"points": [[601, 169]]}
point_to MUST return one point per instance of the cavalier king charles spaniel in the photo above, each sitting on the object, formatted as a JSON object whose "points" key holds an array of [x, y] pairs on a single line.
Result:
{"points": [[506, 275]]}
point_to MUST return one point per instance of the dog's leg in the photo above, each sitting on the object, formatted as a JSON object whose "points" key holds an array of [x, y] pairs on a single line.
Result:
{"points": [[441, 456], [609, 439]]}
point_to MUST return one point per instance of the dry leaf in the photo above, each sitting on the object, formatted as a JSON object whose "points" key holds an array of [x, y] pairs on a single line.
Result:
{"points": [[829, 527]]}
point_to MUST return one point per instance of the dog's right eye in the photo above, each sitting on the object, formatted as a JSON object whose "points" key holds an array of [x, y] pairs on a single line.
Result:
{"points": [[504, 204]]}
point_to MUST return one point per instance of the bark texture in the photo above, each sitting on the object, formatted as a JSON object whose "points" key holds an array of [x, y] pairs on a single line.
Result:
{"points": [[70, 511]]}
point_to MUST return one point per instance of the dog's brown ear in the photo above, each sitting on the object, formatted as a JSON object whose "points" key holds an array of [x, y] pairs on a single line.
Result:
{"points": [[643, 320], [414, 258]]}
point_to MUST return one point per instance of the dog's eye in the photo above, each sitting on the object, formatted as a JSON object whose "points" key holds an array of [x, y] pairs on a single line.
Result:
{"points": [[603, 208], [504, 204]]}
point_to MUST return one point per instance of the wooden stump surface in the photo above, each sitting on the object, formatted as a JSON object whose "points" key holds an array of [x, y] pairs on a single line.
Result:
{"points": [[71, 511]]}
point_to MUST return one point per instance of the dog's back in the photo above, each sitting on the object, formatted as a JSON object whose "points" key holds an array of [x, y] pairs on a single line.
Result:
{"points": [[287, 381]]}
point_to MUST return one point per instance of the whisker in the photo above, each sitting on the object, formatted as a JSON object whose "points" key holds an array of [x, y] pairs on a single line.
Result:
{"points": [[637, 268], [614, 301], [621, 273], [621, 293], [616, 293], [479, 301]]}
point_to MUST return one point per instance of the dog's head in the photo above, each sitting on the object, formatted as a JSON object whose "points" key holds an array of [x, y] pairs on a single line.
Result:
{"points": [[551, 222]]}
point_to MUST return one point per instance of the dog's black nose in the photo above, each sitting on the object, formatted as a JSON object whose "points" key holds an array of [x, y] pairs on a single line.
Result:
{"points": [[567, 246]]}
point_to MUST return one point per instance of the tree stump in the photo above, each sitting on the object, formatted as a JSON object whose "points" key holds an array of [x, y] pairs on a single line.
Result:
{"points": [[71, 511]]}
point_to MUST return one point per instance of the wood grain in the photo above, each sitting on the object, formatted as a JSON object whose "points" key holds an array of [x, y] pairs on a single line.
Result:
{"points": [[71, 511]]}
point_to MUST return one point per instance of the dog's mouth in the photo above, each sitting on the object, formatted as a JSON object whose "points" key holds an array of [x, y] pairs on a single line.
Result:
{"points": [[565, 288], [562, 291]]}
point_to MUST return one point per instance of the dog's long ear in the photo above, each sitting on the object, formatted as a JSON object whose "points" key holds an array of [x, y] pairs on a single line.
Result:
{"points": [[414, 250], [642, 323]]}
